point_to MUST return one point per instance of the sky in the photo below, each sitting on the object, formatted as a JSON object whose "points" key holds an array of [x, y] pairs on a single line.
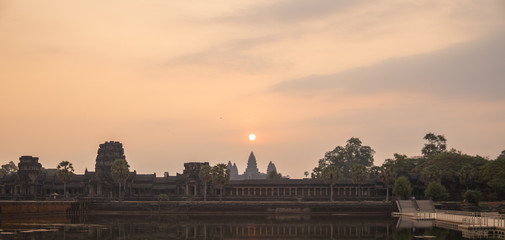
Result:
{"points": [[181, 81]]}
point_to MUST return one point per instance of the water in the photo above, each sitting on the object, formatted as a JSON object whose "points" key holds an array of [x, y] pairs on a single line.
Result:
{"points": [[235, 226]]}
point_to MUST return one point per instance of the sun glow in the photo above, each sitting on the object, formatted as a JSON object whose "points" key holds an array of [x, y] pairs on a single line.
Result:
{"points": [[252, 136]]}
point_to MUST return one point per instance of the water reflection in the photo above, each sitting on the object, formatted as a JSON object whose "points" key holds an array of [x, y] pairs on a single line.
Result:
{"points": [[407, 228], [216, 227]]}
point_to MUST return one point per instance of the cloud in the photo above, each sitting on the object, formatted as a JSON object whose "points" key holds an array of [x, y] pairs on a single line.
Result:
{"points": [[233, 54], [291, 11], [474, 69]]}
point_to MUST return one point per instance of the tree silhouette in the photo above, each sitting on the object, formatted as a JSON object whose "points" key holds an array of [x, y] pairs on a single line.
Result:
{"points": [[205, 176], [359, 176], [8, 169], [346, 157], [431, 174], [387, 173], [467, 175], [274, 175], [436, 191], [65, 173], [436, 144], [331, 175], [120, 171], [220, 176], [402, 188]]}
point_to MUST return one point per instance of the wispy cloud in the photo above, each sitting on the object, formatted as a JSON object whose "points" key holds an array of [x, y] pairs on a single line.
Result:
{"points": [[234, 55], [292, 11], [473, 69]]}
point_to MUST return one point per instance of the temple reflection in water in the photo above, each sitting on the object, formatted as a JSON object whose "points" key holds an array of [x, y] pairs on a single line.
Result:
{"points": [[203, 227]]}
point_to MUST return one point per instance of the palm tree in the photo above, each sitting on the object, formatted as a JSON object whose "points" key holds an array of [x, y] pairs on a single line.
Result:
{"points": [[205, 176], [65, 173], [120, 171], [331, 174], [359, 176], [220, 176], [386, 175], [306, 173]]}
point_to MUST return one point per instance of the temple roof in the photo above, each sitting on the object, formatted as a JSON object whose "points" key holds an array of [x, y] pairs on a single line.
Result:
{"points": [[298, 182]]}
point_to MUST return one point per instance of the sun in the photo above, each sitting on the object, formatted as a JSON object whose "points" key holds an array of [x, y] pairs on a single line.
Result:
{"points": [[252, 136]]}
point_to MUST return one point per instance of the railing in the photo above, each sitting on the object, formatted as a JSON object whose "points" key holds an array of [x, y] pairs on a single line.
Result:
{"points": [[472, 218], [494, 215], [426, 215]]}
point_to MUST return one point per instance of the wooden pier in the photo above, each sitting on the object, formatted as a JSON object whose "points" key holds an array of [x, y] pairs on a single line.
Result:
{"points": [[464, 221]]}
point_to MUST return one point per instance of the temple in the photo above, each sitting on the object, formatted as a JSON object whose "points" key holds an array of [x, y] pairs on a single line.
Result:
{"points": [[31, 181], [251, 172]]}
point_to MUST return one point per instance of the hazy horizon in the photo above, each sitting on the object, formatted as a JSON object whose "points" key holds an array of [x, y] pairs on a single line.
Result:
{"points": [[179, 81]]}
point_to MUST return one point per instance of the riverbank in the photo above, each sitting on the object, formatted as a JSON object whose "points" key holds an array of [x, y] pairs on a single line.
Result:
{"points": [[34, 207], [246, 207], [376, 208]]}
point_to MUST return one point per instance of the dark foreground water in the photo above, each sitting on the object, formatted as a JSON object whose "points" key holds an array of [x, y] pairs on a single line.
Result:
{"points": [[221, 227]]}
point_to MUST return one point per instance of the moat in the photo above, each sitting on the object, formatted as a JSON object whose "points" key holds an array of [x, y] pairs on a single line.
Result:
{"points": [[169, 226]]}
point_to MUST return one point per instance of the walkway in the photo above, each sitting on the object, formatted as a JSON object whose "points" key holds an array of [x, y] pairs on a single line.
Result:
{"points": [[464, 220]]}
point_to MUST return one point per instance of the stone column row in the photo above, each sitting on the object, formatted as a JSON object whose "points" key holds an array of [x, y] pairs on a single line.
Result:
{"points": [[298, 191]]}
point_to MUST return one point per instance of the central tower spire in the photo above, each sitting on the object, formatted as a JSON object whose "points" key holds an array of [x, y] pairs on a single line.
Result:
{"points": [[252, 167]]}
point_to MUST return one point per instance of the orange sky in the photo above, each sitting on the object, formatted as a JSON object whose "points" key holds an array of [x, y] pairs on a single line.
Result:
{"points": [[188, 81]]}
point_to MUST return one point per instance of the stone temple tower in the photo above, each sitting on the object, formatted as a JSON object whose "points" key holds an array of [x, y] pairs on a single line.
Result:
{"points": [[107, 153], [271, 167], [101, 183], [29, 169], [252, 172]]}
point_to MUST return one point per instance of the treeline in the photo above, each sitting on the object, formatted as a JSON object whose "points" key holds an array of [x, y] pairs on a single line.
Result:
{"points": [[443, 174]]}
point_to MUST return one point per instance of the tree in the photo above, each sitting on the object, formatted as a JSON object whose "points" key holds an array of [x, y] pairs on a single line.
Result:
{"points": [[467, 175], [502, 155], [386, 174], [402, 188], [317, 171], [431, 174], [220, 176], [8, 169], [493, 175], [375, 171], [448, 167], [473, 196], [359, 176], [205, 176], [65, 173], [163, 197], [274, 175], [306, 173], [404, 164], [436, 191], [346, 157], [120, 171], [436, 144], [331, 175]]}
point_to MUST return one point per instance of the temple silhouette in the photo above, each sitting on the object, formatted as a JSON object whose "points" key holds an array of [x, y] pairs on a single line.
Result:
{"points": [[251, 172], [32, 181]]}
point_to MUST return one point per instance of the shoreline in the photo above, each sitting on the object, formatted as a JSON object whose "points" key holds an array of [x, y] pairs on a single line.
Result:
{"points": [[377, 208]]}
